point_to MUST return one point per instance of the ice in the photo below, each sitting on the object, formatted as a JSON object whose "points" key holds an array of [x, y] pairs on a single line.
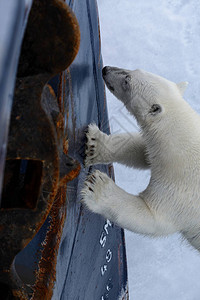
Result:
{"points": [[160, 37]]}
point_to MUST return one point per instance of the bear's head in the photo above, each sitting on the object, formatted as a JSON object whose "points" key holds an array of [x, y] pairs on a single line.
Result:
{"points": [[147, 96]]}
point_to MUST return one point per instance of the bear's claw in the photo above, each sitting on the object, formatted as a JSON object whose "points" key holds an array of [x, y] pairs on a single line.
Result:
{"points": [[92, 192], [91, 145]]}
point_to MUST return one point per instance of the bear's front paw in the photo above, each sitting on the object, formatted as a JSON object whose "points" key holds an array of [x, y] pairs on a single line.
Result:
{"points": [[95, 146], [94, 194]]}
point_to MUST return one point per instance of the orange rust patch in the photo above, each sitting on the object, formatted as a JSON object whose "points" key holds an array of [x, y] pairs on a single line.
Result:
{"points": [[51, 90], [69, 177], [46, 274], [60, 122], [19, 294], [65, 146]]}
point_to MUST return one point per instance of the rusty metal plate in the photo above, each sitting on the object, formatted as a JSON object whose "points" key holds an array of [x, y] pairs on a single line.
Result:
{"points": [[75, 254], [37, 166]]}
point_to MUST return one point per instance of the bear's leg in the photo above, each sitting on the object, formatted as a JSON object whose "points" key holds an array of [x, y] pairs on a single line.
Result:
{"points": [[128, 149], [101, 195]]}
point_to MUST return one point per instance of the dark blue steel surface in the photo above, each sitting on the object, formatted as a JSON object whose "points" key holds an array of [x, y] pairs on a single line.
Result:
{"points": [[11, 32], [91, 263]]}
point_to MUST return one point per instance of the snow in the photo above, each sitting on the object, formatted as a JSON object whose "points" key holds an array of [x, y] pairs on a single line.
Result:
{"points": [[161, 37]]}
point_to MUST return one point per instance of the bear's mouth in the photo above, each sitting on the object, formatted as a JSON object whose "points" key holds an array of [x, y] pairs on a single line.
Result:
{"points": [[110, 87]]}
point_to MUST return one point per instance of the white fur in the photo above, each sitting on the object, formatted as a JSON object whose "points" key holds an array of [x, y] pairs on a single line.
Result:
{"points": [[124, 293], [169, 144]]}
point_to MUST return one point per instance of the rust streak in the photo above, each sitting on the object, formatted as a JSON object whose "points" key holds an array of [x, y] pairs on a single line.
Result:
{"points": [[51, 90], [65, 146], [46, 274]]}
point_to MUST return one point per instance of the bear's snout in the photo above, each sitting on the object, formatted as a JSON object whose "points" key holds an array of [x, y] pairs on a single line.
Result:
{"points": [[104, 71]]}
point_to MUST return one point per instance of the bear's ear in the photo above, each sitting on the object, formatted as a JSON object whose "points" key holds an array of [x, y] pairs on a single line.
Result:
{"points": [[182, 86]]}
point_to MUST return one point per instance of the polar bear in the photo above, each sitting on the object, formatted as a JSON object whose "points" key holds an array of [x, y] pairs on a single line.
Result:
{"points": [[168, 144]]}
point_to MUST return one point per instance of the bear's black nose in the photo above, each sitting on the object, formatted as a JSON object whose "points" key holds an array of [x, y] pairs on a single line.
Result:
{"points": [[104, 71]]}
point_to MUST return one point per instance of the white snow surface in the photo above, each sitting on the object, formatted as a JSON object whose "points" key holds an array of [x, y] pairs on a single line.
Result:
{"points": [[161, 37]]}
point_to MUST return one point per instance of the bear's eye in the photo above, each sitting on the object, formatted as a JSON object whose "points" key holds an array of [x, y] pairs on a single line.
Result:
{"points": [[155, 109], [128, 77]]}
